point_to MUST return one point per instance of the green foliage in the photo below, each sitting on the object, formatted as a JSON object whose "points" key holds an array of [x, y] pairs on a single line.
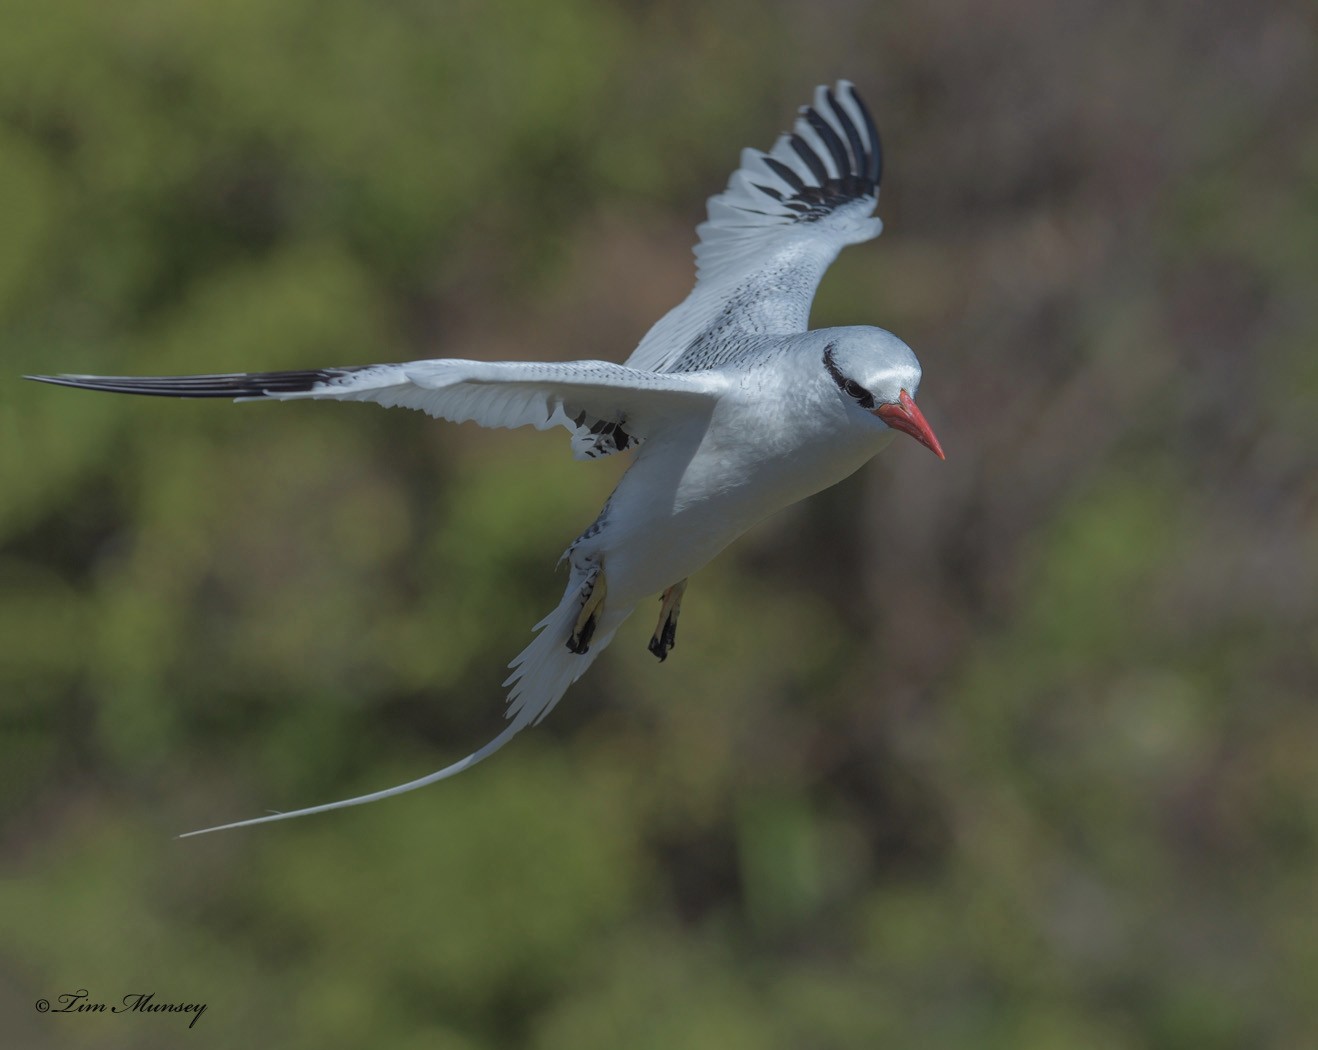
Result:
{"points": [[1014, 751]]}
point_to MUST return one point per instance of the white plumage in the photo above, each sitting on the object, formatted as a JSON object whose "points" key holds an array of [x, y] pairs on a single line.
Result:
{"points": [[735, 409]]}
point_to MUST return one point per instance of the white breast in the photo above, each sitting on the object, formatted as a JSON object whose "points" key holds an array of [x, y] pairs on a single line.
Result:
{"points": [[688, 495]]}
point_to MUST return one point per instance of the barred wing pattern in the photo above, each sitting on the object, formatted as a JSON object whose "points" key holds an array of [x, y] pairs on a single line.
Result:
{"points": [[771, 234]]}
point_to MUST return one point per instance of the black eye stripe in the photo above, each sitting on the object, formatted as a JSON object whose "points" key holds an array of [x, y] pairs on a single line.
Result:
{"points": [[832, 367], [848, 386]]}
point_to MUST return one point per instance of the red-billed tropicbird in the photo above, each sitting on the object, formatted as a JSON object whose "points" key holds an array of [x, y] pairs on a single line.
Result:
{"points": [[735, 409]]}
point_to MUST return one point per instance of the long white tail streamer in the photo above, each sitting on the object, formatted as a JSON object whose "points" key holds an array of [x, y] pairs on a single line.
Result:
{"points": [[541, 674], [375, 796]]}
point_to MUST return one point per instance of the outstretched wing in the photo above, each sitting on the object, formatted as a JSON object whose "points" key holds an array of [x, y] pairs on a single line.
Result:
{"points": [[608, 407], [771, 235]]}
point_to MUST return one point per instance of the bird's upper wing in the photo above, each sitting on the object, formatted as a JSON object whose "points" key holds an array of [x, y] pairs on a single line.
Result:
{"points": [[772, 233], [609, 407]]}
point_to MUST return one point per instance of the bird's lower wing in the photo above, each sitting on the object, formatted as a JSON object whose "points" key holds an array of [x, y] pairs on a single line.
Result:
{"points": [[608, 407]]}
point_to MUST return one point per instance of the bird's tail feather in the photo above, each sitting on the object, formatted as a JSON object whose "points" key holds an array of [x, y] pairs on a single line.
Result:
{"points": [[375, 796], [543, 670], [541, 675]]}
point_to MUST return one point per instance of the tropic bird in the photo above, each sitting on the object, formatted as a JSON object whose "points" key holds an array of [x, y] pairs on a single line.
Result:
{"points": [[735, 409]]}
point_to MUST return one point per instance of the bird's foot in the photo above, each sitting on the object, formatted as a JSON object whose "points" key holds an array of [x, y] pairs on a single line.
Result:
{"points": [[665, 634], [592, 601]]}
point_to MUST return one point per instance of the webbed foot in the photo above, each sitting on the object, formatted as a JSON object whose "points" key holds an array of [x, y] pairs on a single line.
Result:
{"points": [[592, 602], [665, 634]]}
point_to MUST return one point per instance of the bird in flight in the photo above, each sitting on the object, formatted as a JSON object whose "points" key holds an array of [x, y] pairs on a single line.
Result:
{"points": [[733, 407]]}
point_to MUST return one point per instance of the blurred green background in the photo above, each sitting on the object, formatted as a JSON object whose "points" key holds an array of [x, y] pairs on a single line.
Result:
{"points": [[1014, 751]]}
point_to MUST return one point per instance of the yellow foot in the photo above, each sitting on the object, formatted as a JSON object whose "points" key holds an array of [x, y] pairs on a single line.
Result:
{"points": [[593, 591], [665, 634]]}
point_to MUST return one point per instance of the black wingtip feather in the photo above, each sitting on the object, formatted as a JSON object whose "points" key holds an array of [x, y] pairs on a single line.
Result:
{"points": [[858, 159], [785, 173], [861, 168], [830, 139], [230, 385], [812, 161], [876, 158]]}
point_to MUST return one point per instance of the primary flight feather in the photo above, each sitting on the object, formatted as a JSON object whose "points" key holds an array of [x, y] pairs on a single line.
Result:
{"points": [[734, 408]]}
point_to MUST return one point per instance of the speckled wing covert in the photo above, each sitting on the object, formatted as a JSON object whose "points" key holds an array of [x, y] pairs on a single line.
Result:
{"points": [[771, 234]]}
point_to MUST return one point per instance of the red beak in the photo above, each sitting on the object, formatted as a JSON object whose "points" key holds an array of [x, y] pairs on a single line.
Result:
{"points": [[905, 415]]}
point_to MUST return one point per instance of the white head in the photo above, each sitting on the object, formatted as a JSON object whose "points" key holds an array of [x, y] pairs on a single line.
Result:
{"points": [[878, 375]]}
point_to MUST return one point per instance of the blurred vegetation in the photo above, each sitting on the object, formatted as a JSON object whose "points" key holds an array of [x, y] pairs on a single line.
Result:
{"points": [[1014, 751]]}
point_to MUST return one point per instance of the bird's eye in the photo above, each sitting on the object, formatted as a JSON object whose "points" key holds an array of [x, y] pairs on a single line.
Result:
{"points": [[862, 396]]}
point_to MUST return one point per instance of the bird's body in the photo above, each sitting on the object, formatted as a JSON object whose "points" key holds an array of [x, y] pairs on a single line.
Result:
{"points": [[776, 435], [733, 408]]}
